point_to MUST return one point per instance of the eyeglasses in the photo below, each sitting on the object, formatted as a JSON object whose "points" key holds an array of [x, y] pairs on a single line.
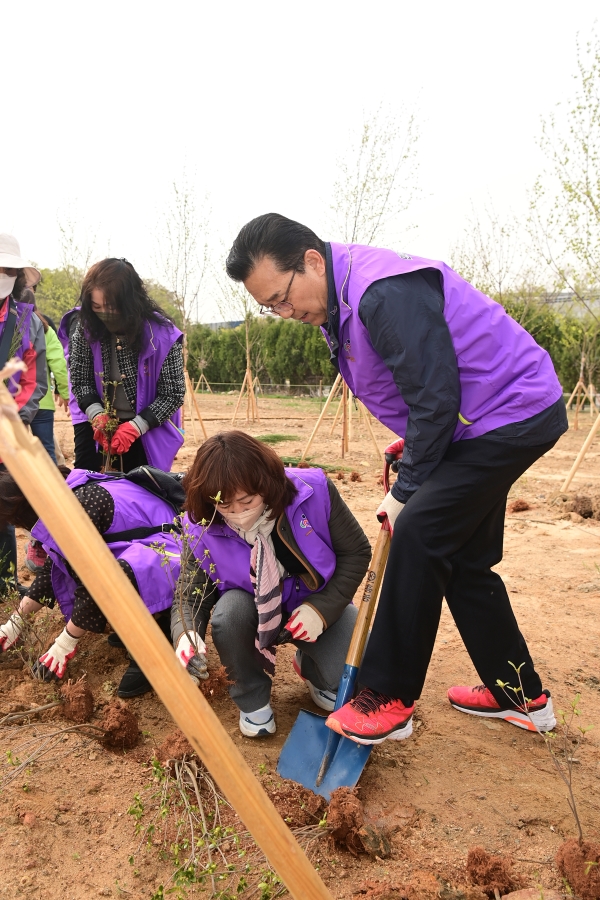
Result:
{"points": [[283, 306]]}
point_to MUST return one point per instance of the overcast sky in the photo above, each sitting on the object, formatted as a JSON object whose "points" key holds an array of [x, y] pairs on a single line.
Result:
{"points": [[107, 103]]}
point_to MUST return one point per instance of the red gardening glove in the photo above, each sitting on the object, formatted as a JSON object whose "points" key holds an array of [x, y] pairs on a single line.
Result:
{"points": [[99, 424], [123, 438]]}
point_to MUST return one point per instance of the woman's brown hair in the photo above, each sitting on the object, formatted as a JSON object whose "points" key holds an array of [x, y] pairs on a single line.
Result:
{"points": [[230, 462], [15, 508]]}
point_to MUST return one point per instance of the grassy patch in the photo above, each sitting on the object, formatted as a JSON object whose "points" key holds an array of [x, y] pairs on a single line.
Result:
{"points": [[276, 438], [294, 460]]}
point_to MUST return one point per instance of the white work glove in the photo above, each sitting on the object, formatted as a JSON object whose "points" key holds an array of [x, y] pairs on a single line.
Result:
{"points": [[53, 664], [389, 507], [192, 656], [305, 624], [10, 632]]}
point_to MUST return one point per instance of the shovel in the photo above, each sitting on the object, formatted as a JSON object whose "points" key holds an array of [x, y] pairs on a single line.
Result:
{"points": [[314, 755]]}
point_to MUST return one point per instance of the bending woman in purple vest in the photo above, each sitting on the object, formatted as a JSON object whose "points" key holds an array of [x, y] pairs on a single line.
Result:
{"points": [[279, 549], [477, 402], [115, 506], [122, 347]]}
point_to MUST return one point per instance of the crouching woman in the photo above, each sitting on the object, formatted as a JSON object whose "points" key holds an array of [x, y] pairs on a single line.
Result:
{"points": [[133, 522], [271, 549]]}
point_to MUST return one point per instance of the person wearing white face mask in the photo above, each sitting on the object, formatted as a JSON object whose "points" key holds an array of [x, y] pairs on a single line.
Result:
{"points": [[21, 335], [272, 550]]}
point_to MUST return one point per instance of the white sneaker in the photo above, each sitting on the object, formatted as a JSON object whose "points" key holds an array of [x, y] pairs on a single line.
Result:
{"points": [[258, 723], [324, 699]]}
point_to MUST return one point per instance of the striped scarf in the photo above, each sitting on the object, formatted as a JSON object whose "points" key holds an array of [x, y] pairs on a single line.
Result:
{"points": [[264, 575]]}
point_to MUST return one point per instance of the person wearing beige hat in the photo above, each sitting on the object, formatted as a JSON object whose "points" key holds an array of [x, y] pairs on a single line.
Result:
{"points": [[21, 335]]}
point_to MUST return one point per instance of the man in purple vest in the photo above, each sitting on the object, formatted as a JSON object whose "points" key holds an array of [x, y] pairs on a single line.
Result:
{"points": [[477, 402]]}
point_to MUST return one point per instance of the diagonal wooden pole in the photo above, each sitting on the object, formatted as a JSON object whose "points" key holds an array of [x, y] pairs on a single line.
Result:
{"points": [[580, 455], [332, 394], [197, 408], [42, 484]]}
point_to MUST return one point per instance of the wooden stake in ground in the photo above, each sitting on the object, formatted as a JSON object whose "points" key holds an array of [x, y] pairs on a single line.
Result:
{"points": [[247, 390], [194, 405], [203, 383], [581, 394], [335, 388], [344, 419], [581, 454], [42, 484]]}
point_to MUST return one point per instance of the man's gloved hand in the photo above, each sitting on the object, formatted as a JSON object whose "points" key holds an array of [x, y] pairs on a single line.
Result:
{"points": [[10, 632], [53, 664], [192, 656], [305, 624], [99, 424], [123, 438], [389, 507]]}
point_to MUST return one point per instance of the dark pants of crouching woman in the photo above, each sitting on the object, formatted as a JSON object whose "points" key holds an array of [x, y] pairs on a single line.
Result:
{"points": [[234, 623]]}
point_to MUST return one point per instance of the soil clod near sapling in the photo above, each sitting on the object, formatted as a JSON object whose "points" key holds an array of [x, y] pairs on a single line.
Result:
{"points": [[78, 701], [579, 864], [345, 818], [216, 684], [175, 746], [518, 506], [296, 805], [120, 726], [490, 873]]}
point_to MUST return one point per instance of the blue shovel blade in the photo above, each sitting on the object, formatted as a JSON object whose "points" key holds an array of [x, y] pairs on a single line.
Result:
{"points": [[303, 751]]}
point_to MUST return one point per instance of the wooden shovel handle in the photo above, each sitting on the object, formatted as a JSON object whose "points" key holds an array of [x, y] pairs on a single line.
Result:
{"points": [[369, 598]]}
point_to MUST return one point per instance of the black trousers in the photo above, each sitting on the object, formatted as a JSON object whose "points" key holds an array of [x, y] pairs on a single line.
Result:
{"points": [[446, 539], [88, 457]]}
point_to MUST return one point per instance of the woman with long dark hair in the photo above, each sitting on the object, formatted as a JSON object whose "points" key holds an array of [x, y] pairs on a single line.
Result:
{"points": [[274, 549], [124, 354]]}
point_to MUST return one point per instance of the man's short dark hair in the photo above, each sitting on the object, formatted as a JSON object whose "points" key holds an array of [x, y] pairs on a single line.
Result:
{"points": [[284, 240]]}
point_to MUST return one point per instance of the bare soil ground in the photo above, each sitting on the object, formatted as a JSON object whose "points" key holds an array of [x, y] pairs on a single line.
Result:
{"points": [[459, 783]]}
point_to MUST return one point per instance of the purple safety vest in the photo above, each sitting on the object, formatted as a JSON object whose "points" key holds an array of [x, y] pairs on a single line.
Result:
{"points": [[308, 515], [22, 325], [504, 375], [160, 444], [134, 508]]}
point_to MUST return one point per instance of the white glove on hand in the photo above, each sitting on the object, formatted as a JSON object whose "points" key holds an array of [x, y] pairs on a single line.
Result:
{"points": [[192, 656], [55, 659], [389, 507], [10, 632], [305, 624]]}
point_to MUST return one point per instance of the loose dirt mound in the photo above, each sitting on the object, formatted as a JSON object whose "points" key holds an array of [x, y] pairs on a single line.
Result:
{"points": [[175, 746], [518, 506], [78, 701], [579, 865], [489, 872], [345, 818], [120, 726], [587, 504], [216, 684], [296, 805]]}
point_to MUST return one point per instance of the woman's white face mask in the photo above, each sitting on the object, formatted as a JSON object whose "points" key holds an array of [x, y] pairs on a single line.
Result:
{"points": [[7, 283], [245, 520]]}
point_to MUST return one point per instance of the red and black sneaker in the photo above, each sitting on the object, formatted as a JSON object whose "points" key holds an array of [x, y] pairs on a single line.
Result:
{"points": [[372, 718], [479, 701]]}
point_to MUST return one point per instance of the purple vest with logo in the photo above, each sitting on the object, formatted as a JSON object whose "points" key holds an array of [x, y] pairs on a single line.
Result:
{"points": [[308, 515], [22, 326], [160, 444], [134, 508], [504, 375]]}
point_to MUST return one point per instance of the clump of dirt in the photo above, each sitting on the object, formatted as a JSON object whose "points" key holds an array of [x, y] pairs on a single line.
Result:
{"points": [[490, 873], [296, 805], [345, 818], [518, 505], [579, 864], [303, 465], [120, 726], [380, 890], [584, 506], [175, 746], [216, 684], [340, 476], [78, 701], [355, 476]]}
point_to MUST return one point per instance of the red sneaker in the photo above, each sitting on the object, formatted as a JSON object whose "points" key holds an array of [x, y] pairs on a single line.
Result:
{"points": [[479, 701], [372, 718], [35, 556]]}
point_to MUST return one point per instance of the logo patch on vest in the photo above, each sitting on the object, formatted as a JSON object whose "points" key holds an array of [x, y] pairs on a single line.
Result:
{"points": [[347, 351], [404, 256], [304, 523]]}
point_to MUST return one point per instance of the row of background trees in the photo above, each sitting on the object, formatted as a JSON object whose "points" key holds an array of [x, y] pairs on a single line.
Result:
{"points": [[544, 266]]}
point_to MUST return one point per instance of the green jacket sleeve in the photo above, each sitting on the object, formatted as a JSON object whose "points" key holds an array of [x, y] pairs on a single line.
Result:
{"points": [[55, 357]]}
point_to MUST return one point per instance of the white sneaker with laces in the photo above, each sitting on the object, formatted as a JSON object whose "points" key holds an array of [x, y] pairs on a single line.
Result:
{"points": [[259, 723], [324, 699]]}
